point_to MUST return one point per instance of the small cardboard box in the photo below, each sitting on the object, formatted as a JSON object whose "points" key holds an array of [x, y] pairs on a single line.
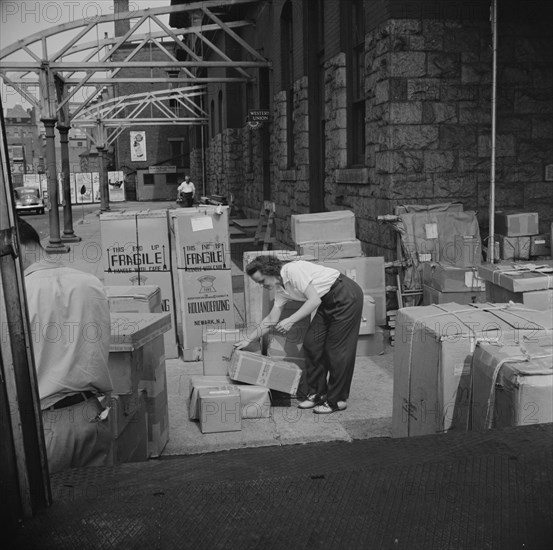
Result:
{"points": [[220, 409], [260, 370], [217, 347], [513, 248], [255, 401], [519, 277], [432, 296], [513, 383], [324, 251], [336, 226], [534, 299], [433, 355], [447, 278], [513, 223], [540, 245]]}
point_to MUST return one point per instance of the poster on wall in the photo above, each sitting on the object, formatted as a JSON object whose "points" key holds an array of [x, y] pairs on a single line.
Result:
{"points": [[84, 187], [116, 184], [138, 146], [71, 187]]}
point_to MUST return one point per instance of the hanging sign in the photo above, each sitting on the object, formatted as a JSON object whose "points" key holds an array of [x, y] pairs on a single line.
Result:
{"points": [[257, 117], [138, 146]]}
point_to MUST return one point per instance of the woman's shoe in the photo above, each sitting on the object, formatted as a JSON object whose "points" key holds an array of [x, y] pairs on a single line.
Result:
{"points": [[327, 407], [312, 401]]}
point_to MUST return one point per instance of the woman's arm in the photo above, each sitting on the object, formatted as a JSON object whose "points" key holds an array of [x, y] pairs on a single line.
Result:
{"points": [[255, 333], [309, 306]]}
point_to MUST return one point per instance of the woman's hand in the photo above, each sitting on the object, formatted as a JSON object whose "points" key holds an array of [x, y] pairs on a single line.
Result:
{"points": [[284, 326], [242, 344]]}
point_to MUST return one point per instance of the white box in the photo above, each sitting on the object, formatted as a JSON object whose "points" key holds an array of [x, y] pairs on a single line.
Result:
{"points": [[206, 302], [201, 237], [138, 252], [335, 226]]}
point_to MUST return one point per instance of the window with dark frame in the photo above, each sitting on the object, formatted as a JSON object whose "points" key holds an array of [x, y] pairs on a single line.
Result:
{"points": [[287, 77], [149, 179], [356, 83]]}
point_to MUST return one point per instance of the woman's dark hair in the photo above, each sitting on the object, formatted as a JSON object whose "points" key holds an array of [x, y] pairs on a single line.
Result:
{"points": [[27, 233], [266, 265]]}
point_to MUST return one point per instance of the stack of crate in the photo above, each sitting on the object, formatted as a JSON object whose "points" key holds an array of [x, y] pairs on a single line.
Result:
{"points": [[518, 237], [133, 339], [203, 271], [329, 239]]}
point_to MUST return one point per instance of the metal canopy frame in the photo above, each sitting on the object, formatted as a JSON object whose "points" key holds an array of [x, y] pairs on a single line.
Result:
{"points": [[83, 63]]}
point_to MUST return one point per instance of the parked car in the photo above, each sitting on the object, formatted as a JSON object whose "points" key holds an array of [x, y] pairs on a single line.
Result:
{"points": [[28, 198]]}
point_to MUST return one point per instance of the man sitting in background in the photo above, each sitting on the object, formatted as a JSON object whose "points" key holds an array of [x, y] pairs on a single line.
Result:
{"points": [[70, 333]]}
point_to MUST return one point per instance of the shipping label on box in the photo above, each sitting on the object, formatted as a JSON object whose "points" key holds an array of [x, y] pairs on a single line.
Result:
{"points": [[220, 409], [206, 303], [516, 224], [201, 238], [540, 245]]}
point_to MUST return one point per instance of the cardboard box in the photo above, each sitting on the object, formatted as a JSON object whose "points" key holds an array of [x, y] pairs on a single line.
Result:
{"points": [[131, 445], [432, 234], [513, 223], [540, 245], [368, 273], [513, 248], [217, 347], [513, 383], [324, 251], [201, 237], [130, 332], [138, 252], [534, 299], [134, 299], [448, 278], [260, 370], [220, 410], [255, 401], [206, 302], [519, 277], [432, 296], [370, 344], [336, 226], [432, 360]]}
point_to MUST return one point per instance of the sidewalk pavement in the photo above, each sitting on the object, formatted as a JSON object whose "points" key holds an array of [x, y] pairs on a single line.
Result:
{"points": [[369, 408]]}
